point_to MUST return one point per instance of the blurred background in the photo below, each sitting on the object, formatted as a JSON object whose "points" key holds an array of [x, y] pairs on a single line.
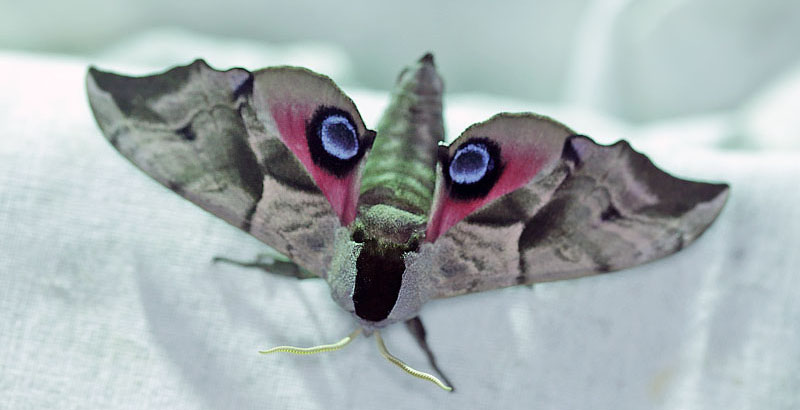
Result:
{"points": [[639, 60]]}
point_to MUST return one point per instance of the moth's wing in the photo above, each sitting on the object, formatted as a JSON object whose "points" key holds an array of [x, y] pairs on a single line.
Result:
{"points": [[216, 138], [561, 207]]}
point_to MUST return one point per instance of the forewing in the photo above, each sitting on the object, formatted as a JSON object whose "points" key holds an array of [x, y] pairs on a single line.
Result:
{"points": [[200, 132], [587, 209]]}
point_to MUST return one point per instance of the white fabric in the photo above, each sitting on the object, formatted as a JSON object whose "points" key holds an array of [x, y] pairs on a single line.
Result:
{"points": [[109, 299]]}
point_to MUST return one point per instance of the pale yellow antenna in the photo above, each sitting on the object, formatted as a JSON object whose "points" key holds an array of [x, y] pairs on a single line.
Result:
{"points": [[349, 338], [315, 349], [408, 369]]}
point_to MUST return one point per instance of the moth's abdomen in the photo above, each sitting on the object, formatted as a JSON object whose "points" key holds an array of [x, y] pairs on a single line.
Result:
{"points": [[400, 168]]}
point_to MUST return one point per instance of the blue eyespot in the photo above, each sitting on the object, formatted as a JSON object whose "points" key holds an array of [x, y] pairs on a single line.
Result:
{"points": [[338, 137], [470, 163]]}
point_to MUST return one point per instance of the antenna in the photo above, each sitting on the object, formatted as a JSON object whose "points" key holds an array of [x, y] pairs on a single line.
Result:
{"points": [[408, 369], [349, 338], [315, 349]]}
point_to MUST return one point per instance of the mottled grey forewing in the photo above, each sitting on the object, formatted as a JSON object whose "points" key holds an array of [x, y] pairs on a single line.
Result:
{"points": [[187, 129], [600, 209]]}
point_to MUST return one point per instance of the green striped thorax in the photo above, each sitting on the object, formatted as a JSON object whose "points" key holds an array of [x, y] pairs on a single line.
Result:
{"points": [[374, 271]]}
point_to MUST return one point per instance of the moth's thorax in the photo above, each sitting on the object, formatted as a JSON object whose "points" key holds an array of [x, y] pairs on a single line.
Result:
{"points": [[374, 272]]}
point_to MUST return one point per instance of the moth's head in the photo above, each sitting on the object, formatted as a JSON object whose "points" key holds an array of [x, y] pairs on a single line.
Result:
{"points": [[378, 270]]}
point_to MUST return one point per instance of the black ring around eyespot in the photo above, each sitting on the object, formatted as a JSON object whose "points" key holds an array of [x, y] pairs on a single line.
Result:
{"points": [[475, 179], [337, 156]]}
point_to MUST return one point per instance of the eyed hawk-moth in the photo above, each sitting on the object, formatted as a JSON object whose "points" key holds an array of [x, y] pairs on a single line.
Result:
{"points": [[395, 217]]}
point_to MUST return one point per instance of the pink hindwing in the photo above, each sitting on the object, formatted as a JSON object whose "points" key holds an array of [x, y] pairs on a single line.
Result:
{"points": [[489, 160], [322, 128]]}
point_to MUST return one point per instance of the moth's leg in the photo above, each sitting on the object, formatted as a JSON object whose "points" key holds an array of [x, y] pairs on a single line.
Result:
{"points": [[418, 331], [272, 263]]}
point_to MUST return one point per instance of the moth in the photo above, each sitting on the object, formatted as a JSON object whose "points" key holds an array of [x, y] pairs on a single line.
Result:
{"points": [[395, 217]]}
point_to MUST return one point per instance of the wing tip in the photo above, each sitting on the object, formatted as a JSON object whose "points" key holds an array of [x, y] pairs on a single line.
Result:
{"points": [[719, 199]]}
